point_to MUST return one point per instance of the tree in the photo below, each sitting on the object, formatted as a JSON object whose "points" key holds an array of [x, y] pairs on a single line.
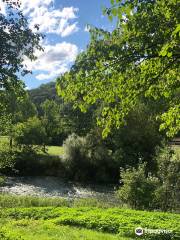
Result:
{"points": [[42, 93], [15, 107], [17, 41], [30, 134], [167, 195], [76, 121], [136, 142], [61, 115], [139, 59], [52, 122]]}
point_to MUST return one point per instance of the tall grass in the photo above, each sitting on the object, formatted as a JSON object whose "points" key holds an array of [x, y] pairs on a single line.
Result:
{"points": [[13, 201]]}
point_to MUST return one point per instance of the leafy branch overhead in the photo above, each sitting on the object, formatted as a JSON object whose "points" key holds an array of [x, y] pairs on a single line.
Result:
{"points": [[139, 59], [17, 41]]}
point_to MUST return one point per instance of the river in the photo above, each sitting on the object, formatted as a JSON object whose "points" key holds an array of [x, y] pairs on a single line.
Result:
{"points": [[55, 187]]}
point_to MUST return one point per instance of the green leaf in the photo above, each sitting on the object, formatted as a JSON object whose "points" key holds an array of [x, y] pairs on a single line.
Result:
{"points": [[114, 12], [169, 54], [110, 18], [176, 30]]}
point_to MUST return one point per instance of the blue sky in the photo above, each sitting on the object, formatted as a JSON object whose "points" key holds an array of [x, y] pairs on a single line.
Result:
{"points": [[64, 24]]}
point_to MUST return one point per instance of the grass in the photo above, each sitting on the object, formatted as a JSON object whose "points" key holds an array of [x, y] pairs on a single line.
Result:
{"points": [[44, 230], [84, 222], [78, 219], [55, 150], [51, 150], [110, 220], [12, 201]]}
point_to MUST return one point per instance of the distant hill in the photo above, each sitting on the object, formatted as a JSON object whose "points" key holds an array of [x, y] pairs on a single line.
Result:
{"points": [[81, 122], [45, 91]]}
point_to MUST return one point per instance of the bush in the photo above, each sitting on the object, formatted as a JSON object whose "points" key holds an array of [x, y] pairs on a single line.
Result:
{"points": [[30, 134], [167, 194], [33, 163], [75, 157], [7, 156], [2, 180], [143, 191], [87, 159], [137, 190]]}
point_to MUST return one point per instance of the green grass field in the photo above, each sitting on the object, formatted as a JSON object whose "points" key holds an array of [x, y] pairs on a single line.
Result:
{"points": [[72, 222], [44, 230], [51, 150], [55, 150]]}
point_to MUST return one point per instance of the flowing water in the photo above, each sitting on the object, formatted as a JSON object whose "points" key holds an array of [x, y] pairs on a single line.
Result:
{"points": [[55, 187]]}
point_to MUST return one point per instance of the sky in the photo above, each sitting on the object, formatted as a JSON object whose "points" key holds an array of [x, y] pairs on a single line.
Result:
{"points": [[64, 23]]}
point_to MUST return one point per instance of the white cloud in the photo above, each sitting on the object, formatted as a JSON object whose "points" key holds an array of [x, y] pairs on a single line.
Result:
{"points": [[55, 60], [70, 29], [68, 13], [2, 7], [46, 76], [50, 20], [31, 5], [87, 28]]}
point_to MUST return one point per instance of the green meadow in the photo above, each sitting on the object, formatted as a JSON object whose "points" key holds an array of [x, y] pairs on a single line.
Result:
{"points": [[72, 222]]}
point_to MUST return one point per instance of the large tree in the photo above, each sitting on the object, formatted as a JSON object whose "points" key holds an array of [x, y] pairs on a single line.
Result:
{"points": [[138, 60], [17, 41], [16, 106]]}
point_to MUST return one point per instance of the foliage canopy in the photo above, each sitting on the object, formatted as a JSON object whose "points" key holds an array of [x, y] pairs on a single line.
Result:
{"points": [[17, 41], [138, 59]]}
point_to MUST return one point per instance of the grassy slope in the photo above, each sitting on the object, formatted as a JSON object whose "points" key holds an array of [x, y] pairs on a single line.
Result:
{"points": [[43, 230], [83, 222], [108, 220]]}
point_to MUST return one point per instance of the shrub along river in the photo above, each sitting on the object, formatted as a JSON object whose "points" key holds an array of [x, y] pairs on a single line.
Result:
{"points": [[55, 187]]}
